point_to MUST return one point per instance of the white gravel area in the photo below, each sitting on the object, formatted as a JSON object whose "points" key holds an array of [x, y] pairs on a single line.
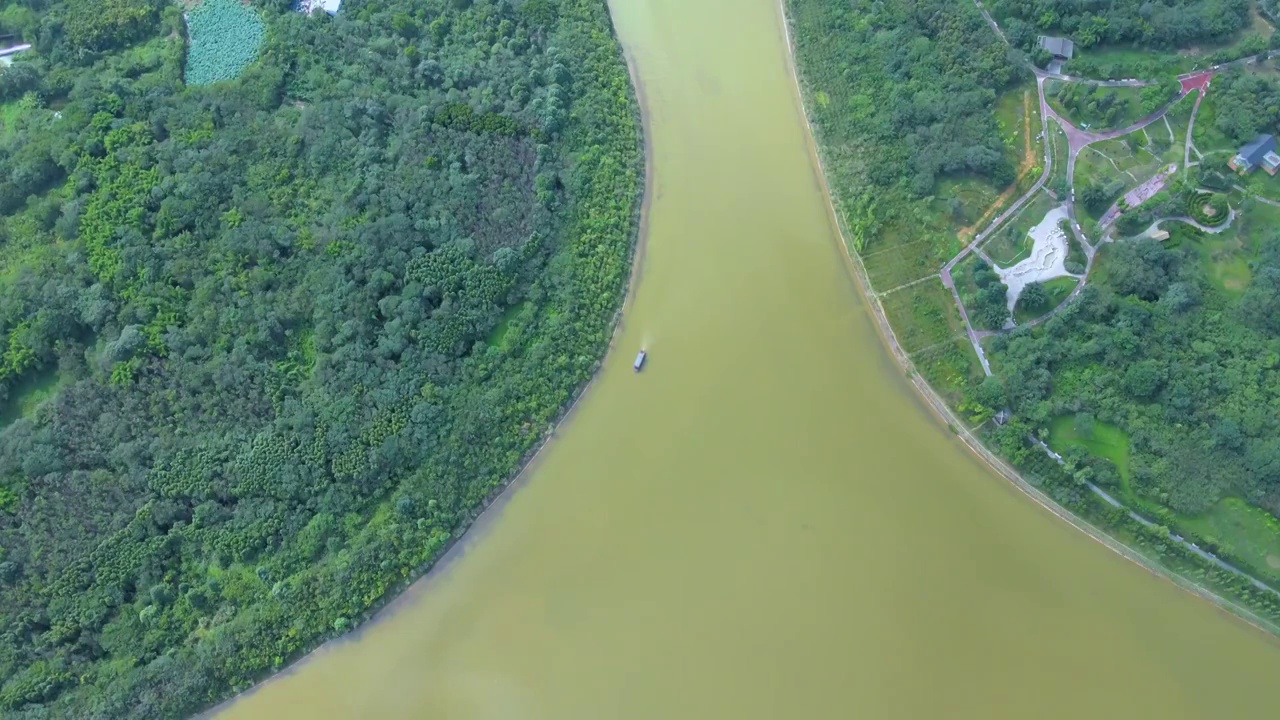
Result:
{"points": [[1048, 253]]}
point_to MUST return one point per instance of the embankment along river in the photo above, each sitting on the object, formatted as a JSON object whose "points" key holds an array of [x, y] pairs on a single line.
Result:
{"points": [[766, 523]]}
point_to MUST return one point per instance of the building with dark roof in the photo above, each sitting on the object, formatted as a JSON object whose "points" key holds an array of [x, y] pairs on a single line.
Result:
{"points": [[1059, 47], [1258, 152]]}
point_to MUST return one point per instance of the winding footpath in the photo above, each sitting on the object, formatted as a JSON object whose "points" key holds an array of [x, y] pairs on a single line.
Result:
{"points": [[1077, 140]]}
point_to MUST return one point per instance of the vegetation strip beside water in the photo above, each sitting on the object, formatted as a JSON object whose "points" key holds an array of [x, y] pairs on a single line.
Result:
{"points": [[1170, 407], [271, 343]]}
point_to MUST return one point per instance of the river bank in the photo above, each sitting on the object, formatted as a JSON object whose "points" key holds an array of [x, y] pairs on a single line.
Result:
{"points": [[937, 404], [491, 508], [758, 527]]}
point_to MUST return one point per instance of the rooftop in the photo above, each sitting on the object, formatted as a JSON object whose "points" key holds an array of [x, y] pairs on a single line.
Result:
{"points": [[1057, 46], [1256, 149]]}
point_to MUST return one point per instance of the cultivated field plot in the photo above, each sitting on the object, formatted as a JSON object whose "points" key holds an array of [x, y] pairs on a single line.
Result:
{"points": [[949, 369], [1011, 244], [923, 316]]}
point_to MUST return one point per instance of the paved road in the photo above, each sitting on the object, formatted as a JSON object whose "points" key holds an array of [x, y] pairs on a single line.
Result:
{"points": [[1106, 497], [975, 337]]}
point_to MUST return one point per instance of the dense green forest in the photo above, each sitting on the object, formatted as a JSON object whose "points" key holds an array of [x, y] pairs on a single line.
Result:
{"points": [[905, 90], [1189, 371], [1249, 104], [1140, 23], [268, 344]]}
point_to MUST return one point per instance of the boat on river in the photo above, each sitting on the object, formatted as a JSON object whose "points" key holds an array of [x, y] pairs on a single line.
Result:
{"points": [[639, 361]]}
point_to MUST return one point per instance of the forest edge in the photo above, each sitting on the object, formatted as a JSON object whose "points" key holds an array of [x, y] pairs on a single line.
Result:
{"points": [[473, 529]]}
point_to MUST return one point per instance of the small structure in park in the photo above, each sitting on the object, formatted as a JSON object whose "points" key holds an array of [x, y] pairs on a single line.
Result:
{"points": [[1258, 152], [310, 6], [1059, 47]]}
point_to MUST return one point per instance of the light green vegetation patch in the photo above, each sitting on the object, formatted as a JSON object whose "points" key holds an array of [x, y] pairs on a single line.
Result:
{"points": [[1017, 112], [1227, 255], [12, 112], [1058, 149], [28, 394], [224, 36], [1206, 135], [1175, 121], [1096, 107], [1076, 258], [962, 275], [907, 252], [923, 315], [1259, 183], [1011, 243], [498, 338], [1095, 437], [1248, 534], [949, 368]]}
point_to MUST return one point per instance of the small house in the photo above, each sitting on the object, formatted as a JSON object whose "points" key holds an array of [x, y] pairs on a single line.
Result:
{"points": [[310, 6], [1258, 152], [1059, 47]]}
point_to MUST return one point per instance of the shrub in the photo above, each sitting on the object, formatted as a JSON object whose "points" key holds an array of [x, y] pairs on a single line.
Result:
{"points": [[1208, 208]]}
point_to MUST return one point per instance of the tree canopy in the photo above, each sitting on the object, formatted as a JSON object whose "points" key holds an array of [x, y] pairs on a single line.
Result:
{"points": [[293, 329], [1145, 23]]}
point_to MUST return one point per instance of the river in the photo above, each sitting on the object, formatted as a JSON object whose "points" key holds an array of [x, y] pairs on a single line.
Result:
{"points": [[766, 522]]}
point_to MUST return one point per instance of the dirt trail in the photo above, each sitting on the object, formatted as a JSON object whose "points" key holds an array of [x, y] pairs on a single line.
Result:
{"points": [[1028, 161]]}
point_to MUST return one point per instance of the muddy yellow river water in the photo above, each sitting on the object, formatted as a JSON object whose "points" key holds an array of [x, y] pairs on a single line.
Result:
{"points": [[766, 523]]}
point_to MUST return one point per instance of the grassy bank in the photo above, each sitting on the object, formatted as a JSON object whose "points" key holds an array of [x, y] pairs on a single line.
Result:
{"points": [[900, 237]]}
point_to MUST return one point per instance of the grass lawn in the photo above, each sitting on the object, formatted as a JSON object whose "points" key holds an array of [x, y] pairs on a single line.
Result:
{"points": [[1075, 253], [1058, 147], [1226, 256], [923, 316], [1206, 135], [1248, 534], [28, 394], [910, 248], [9, 114], [949, 368], [1261, 184], [1010, 243], [497, 338], [1104, 441], [962, 274], [1019, 123], [1124, 104], [1255, 222], [1057, 290], [1175, 122]]}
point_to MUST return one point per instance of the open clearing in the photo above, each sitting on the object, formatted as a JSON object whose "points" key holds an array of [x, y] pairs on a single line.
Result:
{"points": [[1244, 532], [1102, 440], [923, 315]]}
